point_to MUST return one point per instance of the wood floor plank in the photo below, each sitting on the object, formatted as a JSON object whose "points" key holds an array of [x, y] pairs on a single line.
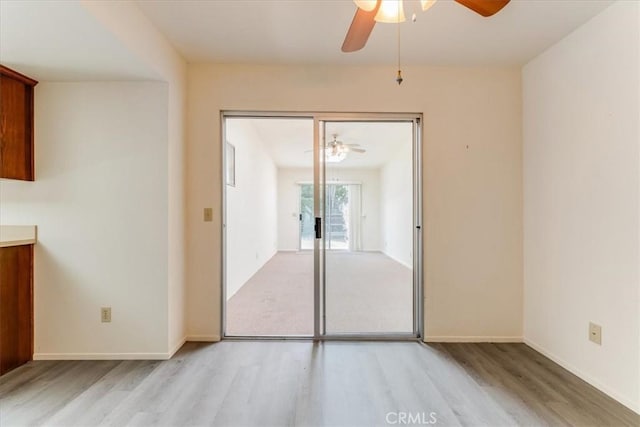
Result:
{"points": [[558, 395], [576, 388], [110, 390], [470, 402], [420, 394], [501, 388], [505, 385], [290, 383]]}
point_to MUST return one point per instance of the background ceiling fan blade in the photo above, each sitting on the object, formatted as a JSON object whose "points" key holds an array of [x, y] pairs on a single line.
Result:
{"points": [[360, 29], [357, 150], [352, 145], [484, 7]]}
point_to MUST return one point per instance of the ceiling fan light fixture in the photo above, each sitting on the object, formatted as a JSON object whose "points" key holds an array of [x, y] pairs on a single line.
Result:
{"points": [[388, 11], [426, 4], [391, 12], [369, 12], [335, 157], [366, 5]]}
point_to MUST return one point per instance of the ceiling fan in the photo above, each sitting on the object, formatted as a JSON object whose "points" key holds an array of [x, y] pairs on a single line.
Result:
{"points": [[336, 151], [371, 11], [336, 146]]}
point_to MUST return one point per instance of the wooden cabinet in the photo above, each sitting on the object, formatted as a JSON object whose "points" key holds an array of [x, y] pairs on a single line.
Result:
{"points": [[16, 125], [16, 306]]}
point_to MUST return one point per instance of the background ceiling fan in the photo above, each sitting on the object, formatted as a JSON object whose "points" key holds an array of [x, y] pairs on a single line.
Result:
{"points": [[336, 151], [371, 11], [335, 147]]}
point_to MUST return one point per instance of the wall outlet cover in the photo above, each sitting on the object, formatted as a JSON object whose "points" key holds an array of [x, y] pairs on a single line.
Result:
{"points": [[595, 333]]}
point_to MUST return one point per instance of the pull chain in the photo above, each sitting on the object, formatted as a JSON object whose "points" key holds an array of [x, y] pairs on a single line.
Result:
{"points": [[399, 77]]}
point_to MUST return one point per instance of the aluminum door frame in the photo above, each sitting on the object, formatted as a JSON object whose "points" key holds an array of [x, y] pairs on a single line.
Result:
{"points": [[320, 121], [319, 118]]}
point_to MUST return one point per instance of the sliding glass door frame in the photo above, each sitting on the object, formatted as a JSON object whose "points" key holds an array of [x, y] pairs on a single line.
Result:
{"points": [[319, 246]]}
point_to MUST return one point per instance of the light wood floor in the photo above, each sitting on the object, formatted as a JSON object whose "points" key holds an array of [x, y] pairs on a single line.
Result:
{"points": [[281, 383]]}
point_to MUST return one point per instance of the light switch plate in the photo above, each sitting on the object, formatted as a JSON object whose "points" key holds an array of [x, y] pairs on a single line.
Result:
{"points": [[105, 314], [595, 333]]}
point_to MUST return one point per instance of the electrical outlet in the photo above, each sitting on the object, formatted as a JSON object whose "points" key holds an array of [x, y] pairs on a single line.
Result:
{"points": [[595, 333], [105, 314], [208, 214]]}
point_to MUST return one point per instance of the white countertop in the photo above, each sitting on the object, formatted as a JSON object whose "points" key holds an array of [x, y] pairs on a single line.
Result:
{"points": [[16, 235]]}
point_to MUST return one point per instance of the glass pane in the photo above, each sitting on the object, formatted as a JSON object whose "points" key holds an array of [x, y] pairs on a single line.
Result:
{"points": [[307, 231], [269, 218], [337, 217], [368, 238]]}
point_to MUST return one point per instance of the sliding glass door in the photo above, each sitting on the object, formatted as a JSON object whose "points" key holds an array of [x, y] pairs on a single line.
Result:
{"points": [[369, 216], [268, 269], [335, 251]]}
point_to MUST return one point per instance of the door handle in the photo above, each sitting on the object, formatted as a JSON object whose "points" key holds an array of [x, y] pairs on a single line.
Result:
{"points": [[318, 228]]}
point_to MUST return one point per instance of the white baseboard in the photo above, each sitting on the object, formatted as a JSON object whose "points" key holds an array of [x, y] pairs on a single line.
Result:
{"points": [[634, 406], [203, 338], [177, 347], [472, 339], [410, 267], [126, 356], [101, 356]]}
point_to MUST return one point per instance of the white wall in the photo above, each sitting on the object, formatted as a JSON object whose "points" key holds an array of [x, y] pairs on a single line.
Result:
{"points": [[473, 196], [396, 198], [289, 203], [100, 204], [132, 28], [581, 201], [252, 222]]}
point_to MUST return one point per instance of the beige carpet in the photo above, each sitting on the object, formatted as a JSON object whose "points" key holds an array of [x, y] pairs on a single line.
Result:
{"points": [[367, 292]]}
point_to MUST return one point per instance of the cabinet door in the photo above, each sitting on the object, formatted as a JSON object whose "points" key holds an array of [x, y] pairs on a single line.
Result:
{"points": [[16, 128], [16, 307]]}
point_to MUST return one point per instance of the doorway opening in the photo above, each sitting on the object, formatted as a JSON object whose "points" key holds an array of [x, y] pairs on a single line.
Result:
{"points": [[322, 226]]}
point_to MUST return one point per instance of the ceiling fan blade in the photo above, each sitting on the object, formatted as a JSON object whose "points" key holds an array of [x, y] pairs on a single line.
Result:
{"points": [[484, 7], [352, 145], [357, 150], [360, 29]]}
